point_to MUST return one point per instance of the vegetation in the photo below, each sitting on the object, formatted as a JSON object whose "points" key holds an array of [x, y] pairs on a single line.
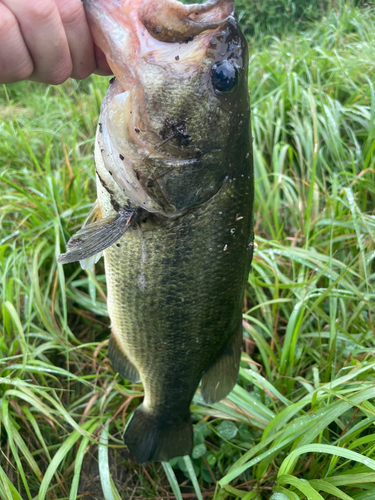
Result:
{"points": [[274, 17], [300, 422], [262, 20]]}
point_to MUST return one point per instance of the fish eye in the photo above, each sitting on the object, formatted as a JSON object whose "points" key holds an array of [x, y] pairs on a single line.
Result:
{"points": [[224, 76]]}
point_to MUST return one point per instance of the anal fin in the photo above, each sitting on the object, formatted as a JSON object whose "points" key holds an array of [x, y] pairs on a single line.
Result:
{"points": [[121, 362], [220, 378]]}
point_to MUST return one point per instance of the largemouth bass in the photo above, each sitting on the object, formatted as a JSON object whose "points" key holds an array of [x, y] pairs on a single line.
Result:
{"points": [[174, 210]]}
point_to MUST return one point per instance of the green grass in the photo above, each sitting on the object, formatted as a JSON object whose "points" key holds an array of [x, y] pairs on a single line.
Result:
{"points": [[300, 422]]}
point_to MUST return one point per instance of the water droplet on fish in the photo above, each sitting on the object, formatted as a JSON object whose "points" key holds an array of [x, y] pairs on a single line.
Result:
{"points": [[225, 248]]}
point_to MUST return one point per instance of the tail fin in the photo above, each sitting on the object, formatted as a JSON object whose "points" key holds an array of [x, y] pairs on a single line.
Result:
{"points": [[151, 439]]}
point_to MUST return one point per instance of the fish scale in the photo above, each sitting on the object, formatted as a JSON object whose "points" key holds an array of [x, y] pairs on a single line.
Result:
{"points": [[191, 298], [175, 188]]}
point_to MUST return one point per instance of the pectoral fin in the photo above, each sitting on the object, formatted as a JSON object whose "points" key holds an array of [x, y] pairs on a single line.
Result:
{"points": [[93, 216], [96, 236], [90, 261], [221, 377]]}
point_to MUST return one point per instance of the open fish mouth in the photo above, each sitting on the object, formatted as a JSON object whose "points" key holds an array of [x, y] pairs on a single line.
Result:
{"points": [[150, 134], [153, 174], [129, 31]]}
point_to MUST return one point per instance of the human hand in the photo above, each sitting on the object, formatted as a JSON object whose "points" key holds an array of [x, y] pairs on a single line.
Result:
{"points": [[47, 41]]}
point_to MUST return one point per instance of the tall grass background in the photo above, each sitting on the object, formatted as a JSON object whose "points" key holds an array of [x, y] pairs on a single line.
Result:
{"points": [[300, 422]]}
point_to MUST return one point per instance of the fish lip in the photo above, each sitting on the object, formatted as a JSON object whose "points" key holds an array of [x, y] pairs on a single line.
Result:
{"points": [[170, 21]]}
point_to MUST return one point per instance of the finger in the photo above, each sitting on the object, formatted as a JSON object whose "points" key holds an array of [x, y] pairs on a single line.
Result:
{"points": [[15, 61], [79, 37], [44, 35]]}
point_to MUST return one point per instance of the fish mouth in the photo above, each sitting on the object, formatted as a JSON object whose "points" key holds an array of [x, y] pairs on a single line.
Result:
{"points": [[125, 29], [163, 178], [149, 167], [149, 176]]}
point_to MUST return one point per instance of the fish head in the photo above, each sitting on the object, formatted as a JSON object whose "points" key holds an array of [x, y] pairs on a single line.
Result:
{"points": [[178, 112]]}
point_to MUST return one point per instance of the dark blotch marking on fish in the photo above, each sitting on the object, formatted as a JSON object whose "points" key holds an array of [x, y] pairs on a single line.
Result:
{"points": [[110, 173], [112, 80], [177, 58], [189, 39], [121, 157], [177, 129], [77, 241], [136, 174], [118, 245], [116, 206], [100, 128], [150, 183], [104, 184], [137, 130]]}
